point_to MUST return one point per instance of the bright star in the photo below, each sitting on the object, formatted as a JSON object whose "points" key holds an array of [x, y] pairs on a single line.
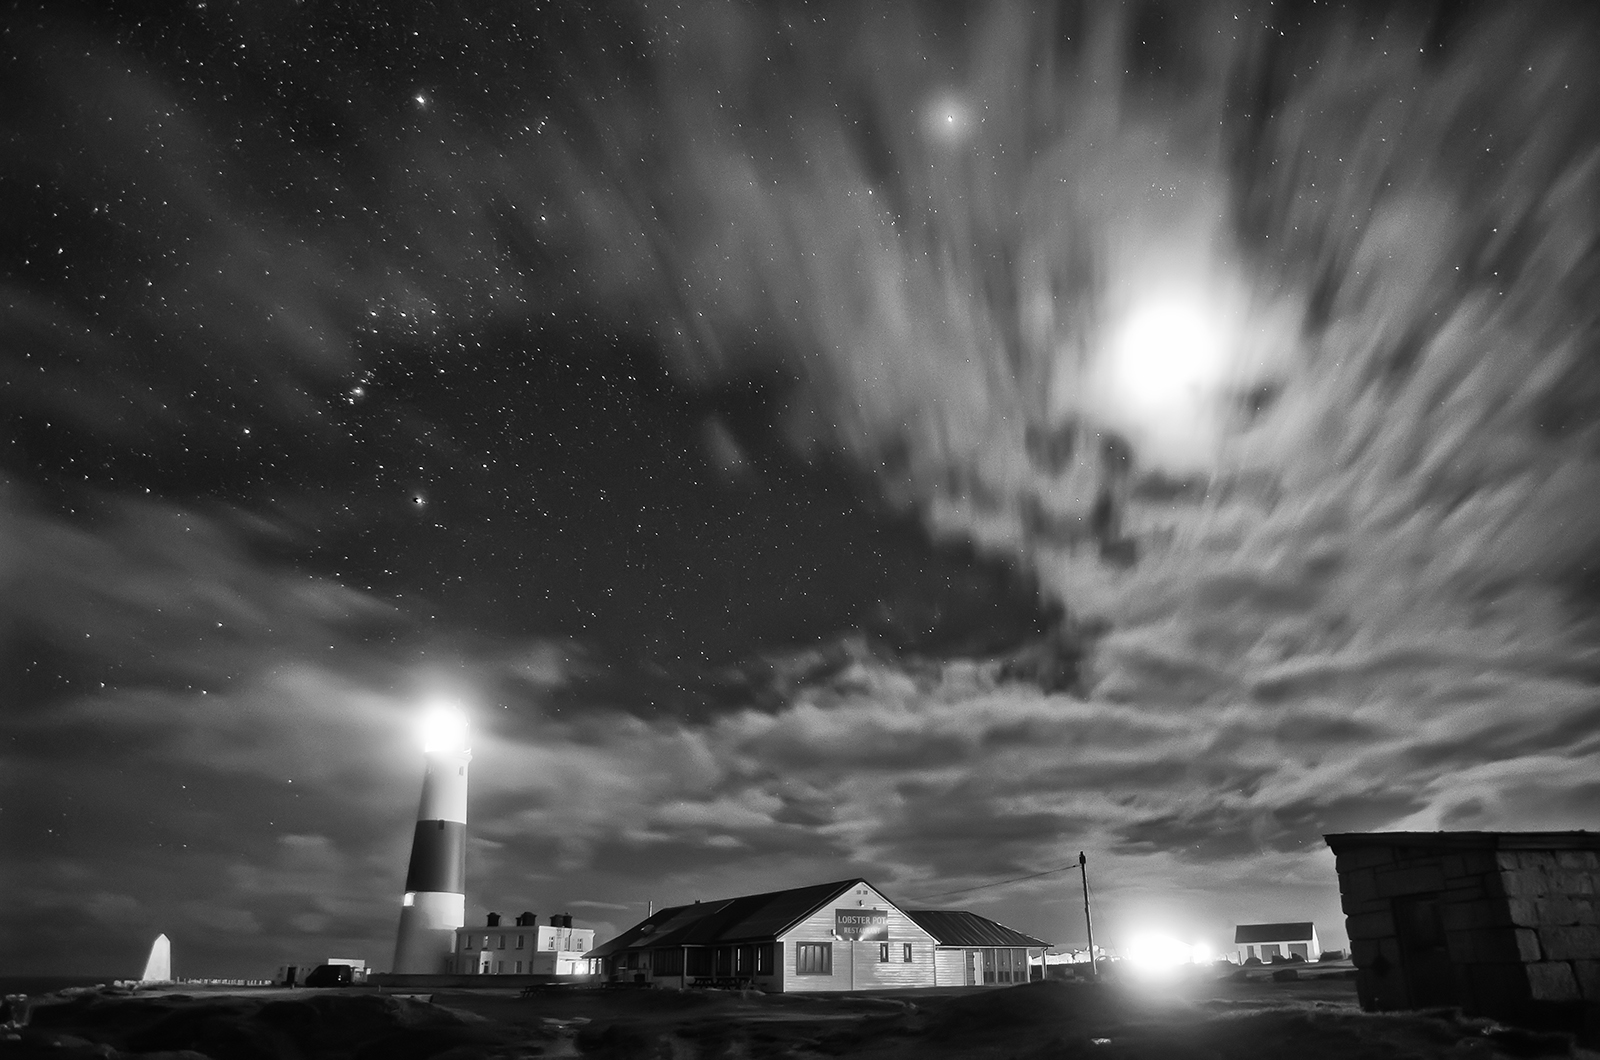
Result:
{"points": [[948, 120]]}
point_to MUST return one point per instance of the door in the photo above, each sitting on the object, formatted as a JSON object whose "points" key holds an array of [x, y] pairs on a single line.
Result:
{"points": [[1430, 975], [974, 966]]}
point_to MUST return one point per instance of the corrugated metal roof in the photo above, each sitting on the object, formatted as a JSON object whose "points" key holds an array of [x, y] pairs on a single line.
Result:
{"points": [[1248, 933], [957, 927], [744, 919]]}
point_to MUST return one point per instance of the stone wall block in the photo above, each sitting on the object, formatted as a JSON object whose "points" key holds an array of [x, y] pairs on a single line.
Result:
{"points": [[1481, 947], [1587, 909], [1472, 916], [1582, 860], [1572, 882], [1588, 976], [1556, 910], [1355, 908], [1363, 858], [1524, 911], [1418, 879], [1363, 952], [1527, 944], [1525, 883], [1552, 981], [1360, 885], [1375, 925], [1575, 943], [1464, 888], [1507, 860]]}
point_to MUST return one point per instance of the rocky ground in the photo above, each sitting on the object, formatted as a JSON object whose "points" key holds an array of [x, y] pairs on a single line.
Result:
{"points": [[1201, 1017]]}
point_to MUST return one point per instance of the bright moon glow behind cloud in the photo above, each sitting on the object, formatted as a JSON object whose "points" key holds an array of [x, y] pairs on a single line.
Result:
{"points": [[1164, 367]]}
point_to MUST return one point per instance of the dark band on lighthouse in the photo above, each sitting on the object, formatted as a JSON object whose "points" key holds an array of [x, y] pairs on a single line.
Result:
{"points": [[438, 857]]}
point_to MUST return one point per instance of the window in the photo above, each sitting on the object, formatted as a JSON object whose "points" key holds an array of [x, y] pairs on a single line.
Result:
{"points": [[519, 967], [521, 939], [500, 968], [764, 960], [905, 952], [813, 958], [883, 953], [502, 942]]}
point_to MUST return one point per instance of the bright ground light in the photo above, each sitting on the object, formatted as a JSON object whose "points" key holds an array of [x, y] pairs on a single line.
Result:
{"points": [[444, 728], [1158, 954]]}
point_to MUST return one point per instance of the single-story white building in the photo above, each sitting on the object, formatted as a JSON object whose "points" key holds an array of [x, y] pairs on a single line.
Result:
{"points": [[831, 936], [1269, 942]]}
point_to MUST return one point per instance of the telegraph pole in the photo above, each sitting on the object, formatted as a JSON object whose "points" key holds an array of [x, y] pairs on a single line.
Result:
{"points": [[1083, 866]]}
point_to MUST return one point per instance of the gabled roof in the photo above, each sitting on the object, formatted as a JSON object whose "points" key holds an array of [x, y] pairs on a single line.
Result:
{"points": [[1248, 933], [957, 927], [745, 919]]}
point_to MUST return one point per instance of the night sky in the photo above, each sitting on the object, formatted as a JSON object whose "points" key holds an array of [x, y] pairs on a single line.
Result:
{"points": [[915, 442]]}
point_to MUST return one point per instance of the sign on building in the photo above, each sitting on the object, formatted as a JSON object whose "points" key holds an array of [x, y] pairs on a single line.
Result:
{"points": [[866, 925]]}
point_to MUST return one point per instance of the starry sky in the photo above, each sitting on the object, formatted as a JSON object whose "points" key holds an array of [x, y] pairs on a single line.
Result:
{"points": [[918, 442]]}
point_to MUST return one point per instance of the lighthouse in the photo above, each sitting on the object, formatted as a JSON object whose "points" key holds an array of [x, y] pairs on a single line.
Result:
{"points": [[435, 902]]}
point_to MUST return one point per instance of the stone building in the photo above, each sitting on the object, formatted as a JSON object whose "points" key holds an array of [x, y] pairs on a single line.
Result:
{"points": [[1502, 924]]}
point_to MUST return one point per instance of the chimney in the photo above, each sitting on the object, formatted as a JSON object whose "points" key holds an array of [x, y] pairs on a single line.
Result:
{"points": [[566, 920], [494, 919], [526, 919], [555, 919]]}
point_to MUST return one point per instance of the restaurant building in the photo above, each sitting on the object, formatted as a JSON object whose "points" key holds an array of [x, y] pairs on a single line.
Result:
{"points": [[836, 936]]}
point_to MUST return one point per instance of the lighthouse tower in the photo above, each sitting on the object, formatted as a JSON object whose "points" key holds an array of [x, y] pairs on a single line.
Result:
{"points": [[436, 901]]}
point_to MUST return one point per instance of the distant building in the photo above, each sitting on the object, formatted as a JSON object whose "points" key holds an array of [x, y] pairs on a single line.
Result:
{"points": [[524, 948], [1270, 942], [1503, 924], [831, 936], [295, 974]]}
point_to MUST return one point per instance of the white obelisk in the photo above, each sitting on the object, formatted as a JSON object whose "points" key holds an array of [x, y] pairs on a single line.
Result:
{"points": [[435, 903], [158, 969]]}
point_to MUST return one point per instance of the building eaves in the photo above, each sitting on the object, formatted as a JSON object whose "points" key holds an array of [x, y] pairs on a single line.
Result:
{"points": [[1253, 933]]}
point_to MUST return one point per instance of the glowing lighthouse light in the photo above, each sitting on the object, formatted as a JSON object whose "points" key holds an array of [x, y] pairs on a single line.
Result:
{"points": [[444, 729]]}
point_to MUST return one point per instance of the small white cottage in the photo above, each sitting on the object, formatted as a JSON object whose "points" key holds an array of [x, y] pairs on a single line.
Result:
{"points": [[1270, 942]]}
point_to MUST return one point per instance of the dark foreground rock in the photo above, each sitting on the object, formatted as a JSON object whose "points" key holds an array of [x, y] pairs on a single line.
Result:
{"points": [[332, 1026], [1238, 1020]]}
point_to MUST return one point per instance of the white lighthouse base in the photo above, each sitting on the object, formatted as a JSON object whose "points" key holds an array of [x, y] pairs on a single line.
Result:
{"points": [[427, 935]]}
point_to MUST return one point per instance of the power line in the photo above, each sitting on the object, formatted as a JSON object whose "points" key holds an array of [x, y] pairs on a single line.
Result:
{"points": [[995, 883]]}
